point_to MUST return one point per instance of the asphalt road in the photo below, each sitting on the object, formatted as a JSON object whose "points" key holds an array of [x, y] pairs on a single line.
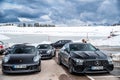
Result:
{"points": [[50, 71]]}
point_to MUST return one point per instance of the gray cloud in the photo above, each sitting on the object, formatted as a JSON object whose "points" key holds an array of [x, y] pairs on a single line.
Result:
{"points": [[61, 11]]}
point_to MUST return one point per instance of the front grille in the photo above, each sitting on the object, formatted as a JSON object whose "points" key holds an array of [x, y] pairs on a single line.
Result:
{"points": [[43, 52], [47, 55], [20, 61], [96, 63]]}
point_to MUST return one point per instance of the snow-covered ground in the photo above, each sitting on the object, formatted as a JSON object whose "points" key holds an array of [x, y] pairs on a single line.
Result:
{"points": [[3, 37], [84, 31], [113, 41]]}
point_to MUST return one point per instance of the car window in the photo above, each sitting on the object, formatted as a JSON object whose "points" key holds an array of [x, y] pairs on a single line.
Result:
{"points": [[44, 47], [21, 50], [82, 47], [59, 42]]}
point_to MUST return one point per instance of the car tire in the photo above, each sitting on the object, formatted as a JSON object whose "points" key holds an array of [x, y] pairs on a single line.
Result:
{"points": [[70, 67], [59, 60], [54, 53], [39, 68], [4, 73]]}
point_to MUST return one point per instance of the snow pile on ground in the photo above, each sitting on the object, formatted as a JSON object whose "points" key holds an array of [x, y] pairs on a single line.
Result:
{"points": [[3, 37], [114, 41], [116, 57], [46, 42]]}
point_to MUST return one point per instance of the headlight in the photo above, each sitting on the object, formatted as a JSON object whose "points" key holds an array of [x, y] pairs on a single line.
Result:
{"points": [[6, 59], [49, 51], [110, 60], [36, 58], [79, 61]]}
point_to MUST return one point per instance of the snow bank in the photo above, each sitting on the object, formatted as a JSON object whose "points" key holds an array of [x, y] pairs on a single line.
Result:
{"points": [[3, 37], [114, 41]]}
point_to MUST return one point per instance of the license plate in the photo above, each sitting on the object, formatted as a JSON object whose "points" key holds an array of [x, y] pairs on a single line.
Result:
{"points": [[19, 66], [97, 67]]}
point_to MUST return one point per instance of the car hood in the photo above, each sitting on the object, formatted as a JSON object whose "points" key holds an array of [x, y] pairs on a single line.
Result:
{"points": [[21, 58], [88, 54]]}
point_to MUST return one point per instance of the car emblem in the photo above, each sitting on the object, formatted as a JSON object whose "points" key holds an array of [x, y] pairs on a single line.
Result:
{"points": [[97, 63], [20, 60]]}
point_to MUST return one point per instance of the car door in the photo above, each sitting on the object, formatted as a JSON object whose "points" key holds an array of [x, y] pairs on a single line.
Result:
{"points": [[66, 54]]}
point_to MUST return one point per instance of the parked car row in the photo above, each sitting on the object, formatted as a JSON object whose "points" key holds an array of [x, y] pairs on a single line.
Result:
{"points": [[77, 57], [57, 45]]}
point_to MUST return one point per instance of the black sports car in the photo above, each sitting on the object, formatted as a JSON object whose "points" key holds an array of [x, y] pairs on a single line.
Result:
{"points": [[46, 51], [60, 43], [84, 58], [21, 58]]}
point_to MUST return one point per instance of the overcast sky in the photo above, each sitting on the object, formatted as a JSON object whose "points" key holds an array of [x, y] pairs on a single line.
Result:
{"points": [[60, 11]]}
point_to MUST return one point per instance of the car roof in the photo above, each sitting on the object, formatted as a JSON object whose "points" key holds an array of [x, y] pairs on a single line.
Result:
{"points": [[77, 43]]}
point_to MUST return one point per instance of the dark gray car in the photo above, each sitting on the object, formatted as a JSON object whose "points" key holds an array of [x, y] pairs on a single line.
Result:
{"points": [[46, 51], [21, 58], [84, 58]]}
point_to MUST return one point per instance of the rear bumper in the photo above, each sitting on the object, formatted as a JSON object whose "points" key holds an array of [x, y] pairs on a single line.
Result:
{"points": [[87, 69], [8, 68]]}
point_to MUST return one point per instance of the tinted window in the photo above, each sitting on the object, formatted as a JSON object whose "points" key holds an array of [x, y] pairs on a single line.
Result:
{"points": [[25, 50], [82, 47], [43, 47]]}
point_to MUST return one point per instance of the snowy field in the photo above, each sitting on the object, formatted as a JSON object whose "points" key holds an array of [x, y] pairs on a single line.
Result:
{"points": [[98, 36]]}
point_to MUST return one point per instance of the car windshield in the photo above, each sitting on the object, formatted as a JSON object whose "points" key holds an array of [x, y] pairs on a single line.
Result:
{"points": [[1, 43], [82, 47], [44, 46], [24, 50]]}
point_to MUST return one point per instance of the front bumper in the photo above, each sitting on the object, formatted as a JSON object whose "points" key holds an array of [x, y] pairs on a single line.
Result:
{"points": [[46, 56], [87, 68], [9, 68]]}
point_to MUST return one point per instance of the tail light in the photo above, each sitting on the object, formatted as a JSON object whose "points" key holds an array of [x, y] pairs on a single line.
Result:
{"points": [[1, 46]]}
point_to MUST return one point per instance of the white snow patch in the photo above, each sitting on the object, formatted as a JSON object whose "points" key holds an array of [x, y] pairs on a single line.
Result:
{"points": [[46, 42], [114, 41], [3, 37], [116, 57]]}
